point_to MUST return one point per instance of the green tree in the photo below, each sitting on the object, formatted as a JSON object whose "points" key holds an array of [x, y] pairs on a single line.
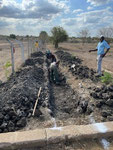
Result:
{"points": [[13, 36], [43, 36], [58, 35]]}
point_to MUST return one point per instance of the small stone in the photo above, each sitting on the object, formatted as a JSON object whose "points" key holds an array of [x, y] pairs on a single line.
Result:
{"points": [[94, 95], [1, 116], [89, 110], [3, 126], [106, 113], [105, 96], [99, 104], [79, 110], [109, 102], [22, 122], [110, 118], [11, 124]]}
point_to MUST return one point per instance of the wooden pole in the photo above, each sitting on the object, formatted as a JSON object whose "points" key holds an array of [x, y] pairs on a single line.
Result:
{"points": [[36, 101]]}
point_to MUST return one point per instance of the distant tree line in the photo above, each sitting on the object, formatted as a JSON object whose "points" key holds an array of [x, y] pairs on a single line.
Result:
{"points": [[58, 35]]}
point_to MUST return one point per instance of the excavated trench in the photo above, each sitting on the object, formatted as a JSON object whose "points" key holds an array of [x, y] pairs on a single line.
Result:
{"points": [[100, 95], [58, 105]]}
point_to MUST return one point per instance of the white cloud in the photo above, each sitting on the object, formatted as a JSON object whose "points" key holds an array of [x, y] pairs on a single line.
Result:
{"points": [[30, 16], [89, 8], [91, 20], [77, 11], [32, 9], [98, 2]]}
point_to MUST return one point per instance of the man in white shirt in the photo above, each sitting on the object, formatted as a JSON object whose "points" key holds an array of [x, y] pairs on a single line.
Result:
{"points": [[54, 75]]}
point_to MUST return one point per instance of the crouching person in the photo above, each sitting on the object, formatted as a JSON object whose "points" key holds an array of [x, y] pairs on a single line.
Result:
{"points": [[54, 75]]}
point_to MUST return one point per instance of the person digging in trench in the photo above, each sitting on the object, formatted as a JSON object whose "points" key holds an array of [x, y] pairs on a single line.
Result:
{"points": [[102, 45], [53, 68], [54, 74], [50, 57]]}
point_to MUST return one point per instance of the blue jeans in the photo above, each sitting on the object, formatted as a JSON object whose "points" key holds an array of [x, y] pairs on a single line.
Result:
{"points": [[99, 64]]}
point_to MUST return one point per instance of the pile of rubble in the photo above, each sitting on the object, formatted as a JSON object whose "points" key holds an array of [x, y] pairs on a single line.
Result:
{"points": [[104, 100], [75, 66], [19, 93]]}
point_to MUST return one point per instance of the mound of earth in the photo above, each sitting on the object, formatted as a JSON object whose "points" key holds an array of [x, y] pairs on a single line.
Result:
{"points": [[75, 66], [19, 93], [104, 100]]}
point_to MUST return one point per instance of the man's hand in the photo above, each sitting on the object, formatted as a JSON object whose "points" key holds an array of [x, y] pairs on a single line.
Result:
{"points": [[90, 51], [103, 55]]}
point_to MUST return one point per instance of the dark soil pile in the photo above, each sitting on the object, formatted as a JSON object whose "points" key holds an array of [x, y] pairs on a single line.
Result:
{"points": [[104, 100], [75, 66], [19, 93]]}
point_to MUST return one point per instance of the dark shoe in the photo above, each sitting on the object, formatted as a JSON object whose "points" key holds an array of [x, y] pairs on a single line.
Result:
{"points": [[98, 75]]}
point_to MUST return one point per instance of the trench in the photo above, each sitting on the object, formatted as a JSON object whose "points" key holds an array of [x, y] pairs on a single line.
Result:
{"points": [[59, 105]]}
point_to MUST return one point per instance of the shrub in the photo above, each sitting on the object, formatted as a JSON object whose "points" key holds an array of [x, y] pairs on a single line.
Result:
{"points": [[107, 78], [13, 36], [6, 66]]}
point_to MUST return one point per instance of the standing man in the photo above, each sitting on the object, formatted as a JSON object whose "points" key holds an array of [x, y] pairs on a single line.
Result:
{"points": [[36, 45], [102, 45]]}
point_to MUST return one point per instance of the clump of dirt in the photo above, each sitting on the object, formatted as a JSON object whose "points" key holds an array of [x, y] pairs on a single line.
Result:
{"points": [[104, 100], [19, 93], [75, 66], [37, 54], [33, 61]]}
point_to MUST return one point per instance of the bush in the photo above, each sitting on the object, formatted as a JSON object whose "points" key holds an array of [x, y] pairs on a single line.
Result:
{"points": [[107, 78], [6, 67], [13, 36]]}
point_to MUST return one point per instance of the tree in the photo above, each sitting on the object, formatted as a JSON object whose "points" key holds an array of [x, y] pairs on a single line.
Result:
{"points": [[43, 36], [13, 36], [84, 34], [58, 35], [107, 32]]}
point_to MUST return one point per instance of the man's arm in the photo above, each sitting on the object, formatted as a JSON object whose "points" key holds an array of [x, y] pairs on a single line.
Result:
{"points": [[92, 50]]}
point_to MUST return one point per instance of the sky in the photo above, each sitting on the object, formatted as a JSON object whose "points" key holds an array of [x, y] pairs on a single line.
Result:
{"points": [[30, 17]]}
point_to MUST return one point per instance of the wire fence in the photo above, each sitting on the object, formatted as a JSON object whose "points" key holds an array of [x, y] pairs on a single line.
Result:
{"points": [[13, 53]]}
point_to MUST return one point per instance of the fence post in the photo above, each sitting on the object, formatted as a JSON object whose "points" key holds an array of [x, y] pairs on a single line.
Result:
{"points": [[28, 48], [12, 56], [22, 50]]}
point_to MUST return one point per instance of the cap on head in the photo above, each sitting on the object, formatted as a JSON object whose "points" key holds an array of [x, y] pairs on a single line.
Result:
{"points": [[101, 36], [48, 52]]}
